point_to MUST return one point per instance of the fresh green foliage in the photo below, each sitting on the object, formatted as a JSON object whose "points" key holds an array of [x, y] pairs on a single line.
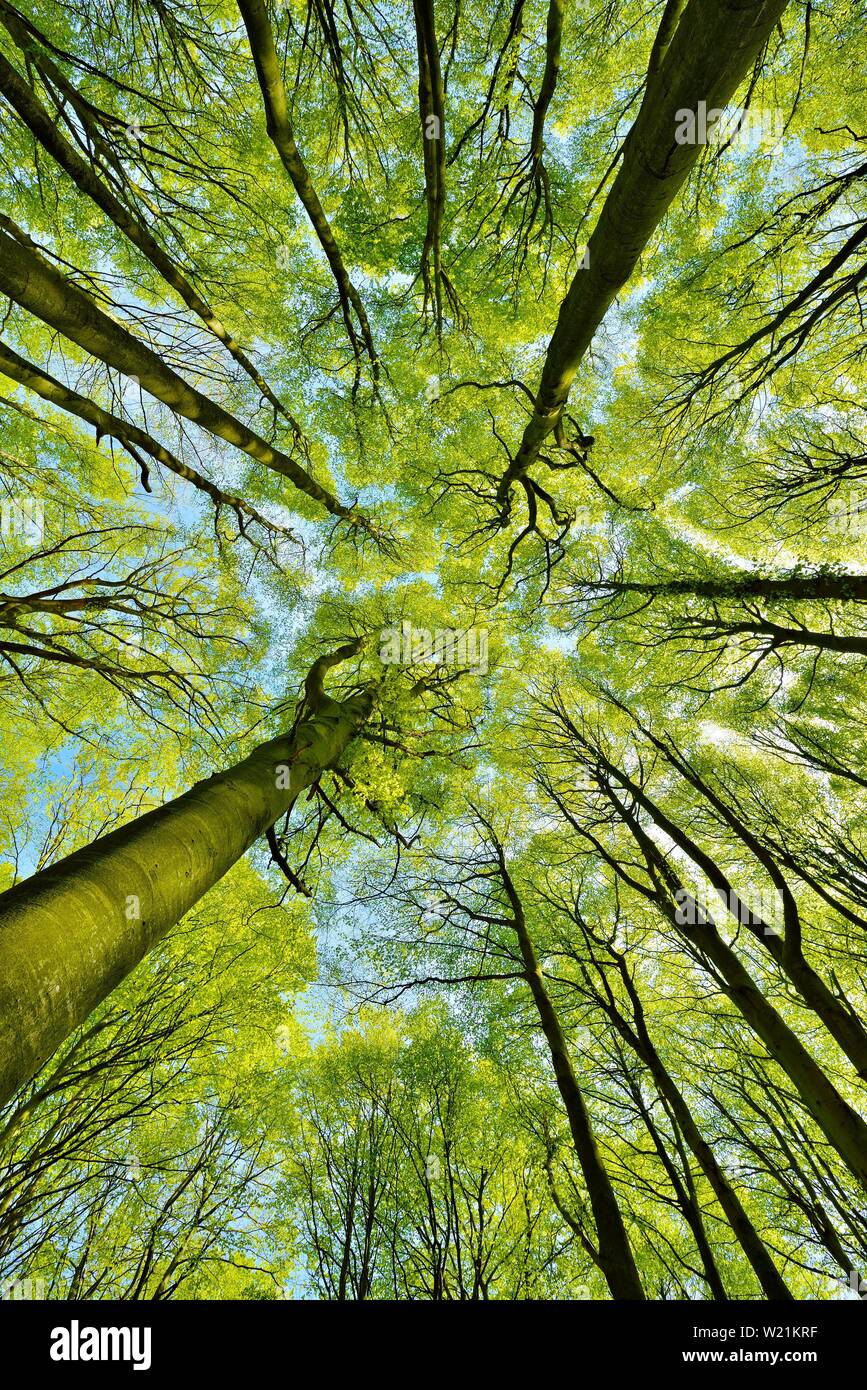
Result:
{"points": [[429, 394]]}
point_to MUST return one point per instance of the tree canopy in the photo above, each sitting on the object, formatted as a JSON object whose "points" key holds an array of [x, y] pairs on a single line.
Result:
{"points": [[433, 836]]}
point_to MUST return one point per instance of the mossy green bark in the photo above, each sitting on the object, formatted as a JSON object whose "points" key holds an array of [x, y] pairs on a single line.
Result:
{"points": [[71, 933]]}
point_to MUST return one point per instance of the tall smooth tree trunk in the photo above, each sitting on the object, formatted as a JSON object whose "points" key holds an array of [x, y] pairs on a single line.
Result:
{"points": [[836, 1014], [133, 439], [431, 103], [705, 58], [842, 1126], [779, 636], [553, 47], [72, 932], [281, 134], [28, 279], [836, 586], [638, 1038], [615, 1253], [683, 1187], [23, 99]]}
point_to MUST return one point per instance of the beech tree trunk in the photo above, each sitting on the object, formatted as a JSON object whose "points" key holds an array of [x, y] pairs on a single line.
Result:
{"points": [[638, 1038], [279, 127], [37, 119], [615, 1254], [836, 1013], [842, 1126], [72, 932], [836, 587], [28, 279], [132, 438], [708, 55]]}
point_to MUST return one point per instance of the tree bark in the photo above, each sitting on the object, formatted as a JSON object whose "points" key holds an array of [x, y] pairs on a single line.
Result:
{"points": [[553, 45], [28, 279], [823, 586], [279, 128], [72, 932], [431, 103], [130, 436], [39, 122], [682, 1185], [840, 1124], [839, 1019], [615, 1254], [638, 1038], [706, 58]]}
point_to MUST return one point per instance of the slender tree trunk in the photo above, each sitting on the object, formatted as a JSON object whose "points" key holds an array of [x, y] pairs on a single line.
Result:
{"points": [[779, 636], [431, 103], [279, 127], [805, 297], [684, 1191], [803, 1187], [840, 1124], [553, 45], [28, 279], [130, 436], [836, 1014], [21, 97], [72, 932], [836, 586], [615, 1254], [638, 1038]]}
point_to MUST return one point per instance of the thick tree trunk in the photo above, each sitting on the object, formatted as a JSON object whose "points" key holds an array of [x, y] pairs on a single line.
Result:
{"points": [[71, 933], [706, 58]]}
